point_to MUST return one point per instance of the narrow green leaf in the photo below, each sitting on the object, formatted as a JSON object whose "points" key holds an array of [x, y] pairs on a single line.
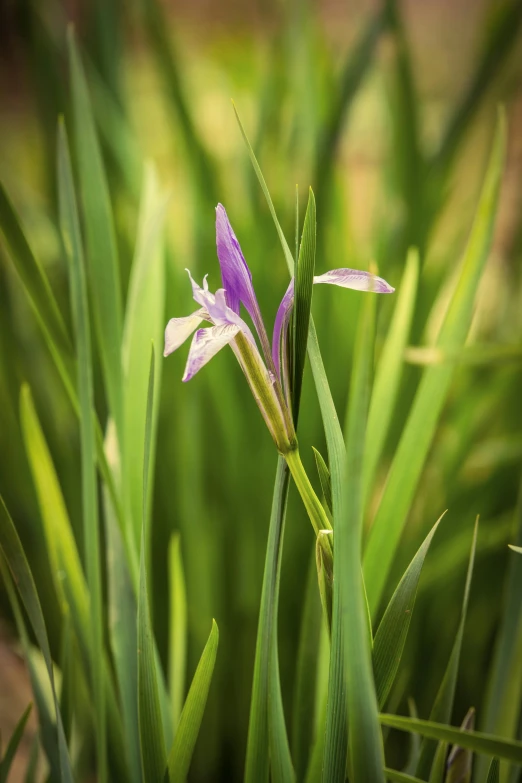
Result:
{"points": [[304, 706], [388, 374], [392, 631], [102, 256], [324, 478], [152, 742], [143, 322], [458, 765], [493, 772], [32, 764], [177, 629], [188, 729], [443, 705], [12, 745], [366, 757], [478, 742], [23, 578], [70, 228], [420, 428], [439, 764], [400, 777], [304, 286]]}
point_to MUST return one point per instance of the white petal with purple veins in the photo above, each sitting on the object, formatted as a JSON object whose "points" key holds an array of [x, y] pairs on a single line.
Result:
{"points": [[205, 344], [355, 279], [179, 329]]}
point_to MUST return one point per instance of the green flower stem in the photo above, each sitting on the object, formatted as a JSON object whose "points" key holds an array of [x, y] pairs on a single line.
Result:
{"points": [[315, 510]]}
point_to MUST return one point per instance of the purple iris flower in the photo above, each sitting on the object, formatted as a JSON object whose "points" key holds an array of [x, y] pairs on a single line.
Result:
{"points": [[266, 371]]}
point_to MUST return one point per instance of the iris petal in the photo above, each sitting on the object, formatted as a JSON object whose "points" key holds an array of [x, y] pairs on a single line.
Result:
{"points": [[236, 276], [205, 344], [355, 279], [179, 329]]}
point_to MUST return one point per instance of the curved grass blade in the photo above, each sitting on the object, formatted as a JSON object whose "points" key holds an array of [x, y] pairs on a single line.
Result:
{"points": [[392, 631], [70, 228], [102, 256], [439, 764], [478, 742], [304, 285], [494, 772], [23, 578], [324, 478], [152, 741], [517, 549], [188, 728], [443, 705], [388, 374], [459, 761], [366, 756], [400, 777], [177, 629], [336, 734], [12, 745], [420, 428]]}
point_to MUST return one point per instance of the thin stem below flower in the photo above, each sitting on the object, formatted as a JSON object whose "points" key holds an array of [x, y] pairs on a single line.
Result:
{"points": [[315, 510]]}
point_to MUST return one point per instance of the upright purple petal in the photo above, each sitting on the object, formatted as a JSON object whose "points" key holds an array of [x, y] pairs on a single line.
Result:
{"points": [[179, 329], [205, 344], [353, 278], [236, 276], [281, 326]]}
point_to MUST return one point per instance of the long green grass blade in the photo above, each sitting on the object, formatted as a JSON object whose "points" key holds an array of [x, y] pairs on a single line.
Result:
{"points": [[420, 428], [304, 285], [324, 478], [400, 777], [177, 629], [23, 578], [443, 705], [152, 741], [478, 742], [459, 761], [102, 255], [188, 728], [493, 772], [144, 321], [72, 242], [388, 374], [12, 745], [393, 629], [366, 758]]}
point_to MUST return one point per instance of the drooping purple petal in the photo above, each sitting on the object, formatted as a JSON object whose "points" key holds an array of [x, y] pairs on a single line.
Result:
{"points": [[205, 344], [281, 326], [179, 329], [355, 279]]}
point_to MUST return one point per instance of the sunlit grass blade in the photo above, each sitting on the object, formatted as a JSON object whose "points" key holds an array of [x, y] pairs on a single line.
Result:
{"points": [[366, 758], [152, 741], [493, 772], [517, 549], [102, 255], [400, 777], [473, 355], [478, 742], [304, 285], [144, 321], [388, 373], [501, 709], [324, 478], [443, 705], [304, 705], [257, 755], [23, 578], [430, 397], [188, 728], [12, 745], [393, 629], [177, 629], [70, 228]]}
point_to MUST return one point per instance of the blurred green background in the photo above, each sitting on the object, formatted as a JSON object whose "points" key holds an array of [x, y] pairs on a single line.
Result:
{"points": [[387, 110]]}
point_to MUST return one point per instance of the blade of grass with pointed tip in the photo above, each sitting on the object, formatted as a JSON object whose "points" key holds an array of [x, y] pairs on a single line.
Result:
{"points": [[177, 629], [388, 374], [324, 478], [493, 772], [188, 729], [478, 742], [304, 705], [439, 764], [70, 228], [23, 578], [304, 285], [336, 736], [143, 323], [392, 631], [12, 745], [443, 705], [420, 428], [152, 741], [102, 256], [400, 777], [366, 757], [458, 765]]}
